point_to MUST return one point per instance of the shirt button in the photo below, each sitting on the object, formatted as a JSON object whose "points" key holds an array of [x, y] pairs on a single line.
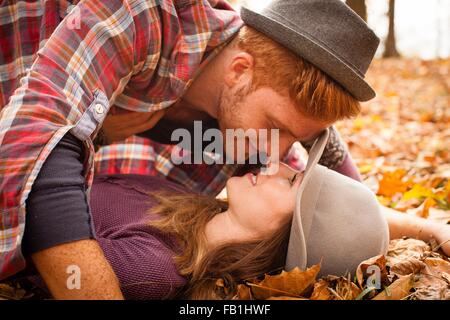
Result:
{"points": [[99, 109]]}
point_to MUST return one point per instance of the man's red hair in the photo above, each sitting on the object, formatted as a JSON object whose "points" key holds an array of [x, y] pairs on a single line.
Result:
{"points": [[316, 95]]}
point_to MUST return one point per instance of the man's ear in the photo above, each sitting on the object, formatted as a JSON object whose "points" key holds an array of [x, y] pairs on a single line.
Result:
{"points": [[239, 69]]}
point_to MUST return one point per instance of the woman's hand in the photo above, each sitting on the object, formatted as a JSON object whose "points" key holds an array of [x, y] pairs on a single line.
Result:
{"points": [[119, 127], [404, 225]]}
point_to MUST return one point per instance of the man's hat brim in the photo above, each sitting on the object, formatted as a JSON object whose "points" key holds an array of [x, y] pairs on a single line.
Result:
{"points": [[282, 31]]}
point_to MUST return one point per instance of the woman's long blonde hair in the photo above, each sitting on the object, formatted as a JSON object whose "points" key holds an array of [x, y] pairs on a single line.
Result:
{"points": [[185, 216]]}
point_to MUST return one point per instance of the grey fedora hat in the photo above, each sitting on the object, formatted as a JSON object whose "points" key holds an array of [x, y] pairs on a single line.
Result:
{"points": [[327, 33], [337, 221]]}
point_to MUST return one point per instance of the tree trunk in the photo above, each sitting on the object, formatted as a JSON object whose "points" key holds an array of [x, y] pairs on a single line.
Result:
{"points": [[359, 6], [390, 50]]}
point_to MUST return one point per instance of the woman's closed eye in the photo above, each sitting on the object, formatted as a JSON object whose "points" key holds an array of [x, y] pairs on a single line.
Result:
{"points": [[292, 180]]}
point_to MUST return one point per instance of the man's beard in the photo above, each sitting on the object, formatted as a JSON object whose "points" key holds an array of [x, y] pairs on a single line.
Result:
{"points": [[231, 106]]}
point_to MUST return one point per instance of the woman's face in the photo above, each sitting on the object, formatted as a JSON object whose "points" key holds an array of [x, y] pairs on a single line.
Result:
{"points": [[263, 203]]}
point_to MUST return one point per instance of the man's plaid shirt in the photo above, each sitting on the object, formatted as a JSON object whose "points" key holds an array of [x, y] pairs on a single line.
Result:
{"points": [[64, 65]]}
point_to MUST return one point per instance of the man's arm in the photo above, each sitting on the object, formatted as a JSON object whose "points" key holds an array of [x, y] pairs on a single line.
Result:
{"points": [[58, 264], [75, 77], [59, 233]]}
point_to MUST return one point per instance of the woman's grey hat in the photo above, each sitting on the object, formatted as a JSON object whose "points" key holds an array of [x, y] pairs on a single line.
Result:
{"points": [[327, 33], [337, 221]]}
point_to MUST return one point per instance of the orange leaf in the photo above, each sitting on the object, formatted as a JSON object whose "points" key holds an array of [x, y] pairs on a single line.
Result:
{"points": [[393, 183], [244, 292], [425, 213], [292, 283], [321, 291], [397, 290]]}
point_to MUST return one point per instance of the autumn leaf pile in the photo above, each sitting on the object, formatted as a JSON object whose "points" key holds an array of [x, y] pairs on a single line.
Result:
{"points": [[410, 270]]}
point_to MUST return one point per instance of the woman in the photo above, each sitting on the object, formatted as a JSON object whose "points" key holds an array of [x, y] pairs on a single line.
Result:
{"points": [[138, 225], [164, 242]]}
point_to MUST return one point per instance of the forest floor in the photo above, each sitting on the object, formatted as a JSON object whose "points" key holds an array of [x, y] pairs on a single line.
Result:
{"points": [[401, 144], [401, 141]]}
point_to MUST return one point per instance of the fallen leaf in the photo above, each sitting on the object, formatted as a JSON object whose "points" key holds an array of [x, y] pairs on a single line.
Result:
{"points": [[244, 292], [418, 191], [342, 288], [434, 280], [393, 183], [292, 283], [398, 290], [407, 266], [262, 292], [425, 212], [367, 268], [321, 291], [404, 249]]}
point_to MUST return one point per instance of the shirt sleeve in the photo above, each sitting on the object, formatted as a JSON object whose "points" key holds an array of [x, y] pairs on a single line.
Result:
{"points": [[83, 66], [57, 208]]}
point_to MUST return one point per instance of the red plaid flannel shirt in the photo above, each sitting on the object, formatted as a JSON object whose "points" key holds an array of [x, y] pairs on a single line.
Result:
{"points": [[64, 65]]}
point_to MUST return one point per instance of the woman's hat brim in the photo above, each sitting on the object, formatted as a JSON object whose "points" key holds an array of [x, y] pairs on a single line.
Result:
{"points": [[312, 180]]}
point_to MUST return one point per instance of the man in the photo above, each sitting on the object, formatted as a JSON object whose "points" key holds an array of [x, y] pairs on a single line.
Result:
{"points": [[297, 67]]}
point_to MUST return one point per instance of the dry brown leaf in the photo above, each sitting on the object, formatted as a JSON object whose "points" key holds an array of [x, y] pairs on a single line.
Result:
{"points": [[335, 288], [398, 290], [244, 292], [404, 249], [362, 271], [434, 280], [321, 291], [346, 289], [407, 266], [261, 292], [292, 283]]}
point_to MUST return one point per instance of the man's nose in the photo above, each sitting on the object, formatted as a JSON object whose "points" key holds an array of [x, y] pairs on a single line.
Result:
{"points": [[284, 146]]}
